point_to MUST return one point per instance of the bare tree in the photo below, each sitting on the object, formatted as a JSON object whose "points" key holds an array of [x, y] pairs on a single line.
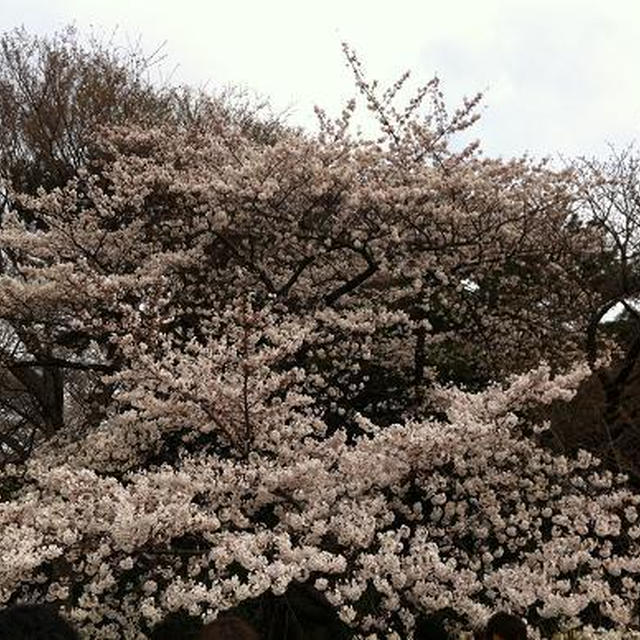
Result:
{"points": [[609, 194]]}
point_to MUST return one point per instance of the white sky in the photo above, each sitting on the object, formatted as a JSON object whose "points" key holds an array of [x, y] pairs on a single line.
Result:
{"points": [[559, 76]]}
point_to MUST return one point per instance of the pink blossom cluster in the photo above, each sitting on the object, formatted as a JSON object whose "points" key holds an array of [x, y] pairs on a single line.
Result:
{"points": [[466, 513]]}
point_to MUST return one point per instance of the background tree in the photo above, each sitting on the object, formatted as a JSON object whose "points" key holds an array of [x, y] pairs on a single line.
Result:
{"points": [[609, 201]]}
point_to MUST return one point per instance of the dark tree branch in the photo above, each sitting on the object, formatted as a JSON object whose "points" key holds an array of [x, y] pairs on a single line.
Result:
{"points": [[285, 288], [355, 282]]}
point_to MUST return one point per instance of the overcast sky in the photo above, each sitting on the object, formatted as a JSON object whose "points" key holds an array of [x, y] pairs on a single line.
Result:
{"points": [[558, 76]]}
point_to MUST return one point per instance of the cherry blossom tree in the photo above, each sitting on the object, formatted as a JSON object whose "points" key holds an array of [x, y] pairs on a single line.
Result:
{"points": [[308, 359], [461, 264], [56, 93]]}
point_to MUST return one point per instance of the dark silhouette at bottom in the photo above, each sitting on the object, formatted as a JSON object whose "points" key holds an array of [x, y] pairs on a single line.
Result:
{"points": [[34, 622]]}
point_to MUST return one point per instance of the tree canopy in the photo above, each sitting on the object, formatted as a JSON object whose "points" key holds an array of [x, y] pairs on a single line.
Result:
{"points": [[239, 357]]}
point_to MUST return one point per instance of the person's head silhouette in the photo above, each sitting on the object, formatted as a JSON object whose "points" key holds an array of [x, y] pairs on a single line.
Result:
{"points": [[504, 626], [34, 622]]}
